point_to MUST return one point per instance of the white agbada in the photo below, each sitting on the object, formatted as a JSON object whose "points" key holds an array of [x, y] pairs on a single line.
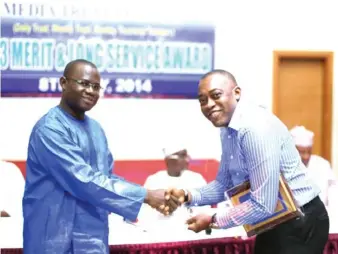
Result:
{"points": [[187, 180], [161, 180], [12, 186], [319, 169], [321, 172]]}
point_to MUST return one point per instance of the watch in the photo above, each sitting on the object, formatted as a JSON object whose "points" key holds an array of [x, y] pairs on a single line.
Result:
{"points": [[213, 223], [213, 218], [186, 195]]}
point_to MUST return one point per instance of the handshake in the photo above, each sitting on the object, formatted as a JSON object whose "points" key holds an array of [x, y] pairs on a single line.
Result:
{"points": [[165, 201]]}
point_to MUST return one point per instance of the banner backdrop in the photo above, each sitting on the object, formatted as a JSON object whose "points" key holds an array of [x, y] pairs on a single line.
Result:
{"points": [[138, 60]]}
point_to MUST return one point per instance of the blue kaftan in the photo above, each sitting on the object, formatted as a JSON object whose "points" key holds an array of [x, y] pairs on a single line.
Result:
{"points": [[70, 188]]}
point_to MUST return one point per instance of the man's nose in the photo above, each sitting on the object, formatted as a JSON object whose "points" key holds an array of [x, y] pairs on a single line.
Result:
{"points": [[307, 156], [90, 90], [211, 103]]}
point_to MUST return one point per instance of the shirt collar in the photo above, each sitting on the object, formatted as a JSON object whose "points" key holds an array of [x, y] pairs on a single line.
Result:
{"points": [[235, 122]]}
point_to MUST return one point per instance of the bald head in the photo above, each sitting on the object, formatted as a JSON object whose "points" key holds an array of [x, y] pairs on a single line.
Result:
{"points": [[226, 76], [71, 66]]}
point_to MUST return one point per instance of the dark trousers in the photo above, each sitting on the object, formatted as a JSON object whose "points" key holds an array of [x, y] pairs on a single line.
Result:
{"points": [[305, 235]]}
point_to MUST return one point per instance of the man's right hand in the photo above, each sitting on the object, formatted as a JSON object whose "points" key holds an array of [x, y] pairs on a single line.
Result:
{"points": [[177, 196], [157, 199]]}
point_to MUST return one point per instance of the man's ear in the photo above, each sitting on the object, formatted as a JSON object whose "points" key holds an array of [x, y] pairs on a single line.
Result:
{"points": [[63, 82], [238, 93]]}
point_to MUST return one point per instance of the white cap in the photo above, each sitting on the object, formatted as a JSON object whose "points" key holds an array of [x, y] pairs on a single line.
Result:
{"points": [[302, 136], [172, 148]]}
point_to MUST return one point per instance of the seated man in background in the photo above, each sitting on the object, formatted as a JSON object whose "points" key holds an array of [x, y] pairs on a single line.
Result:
{"points": [[319, 168], [12, 186], [177, 175]]}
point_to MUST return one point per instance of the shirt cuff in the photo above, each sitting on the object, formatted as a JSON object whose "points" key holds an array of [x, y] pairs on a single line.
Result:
{"points": [[224, 221], [196, 197]]}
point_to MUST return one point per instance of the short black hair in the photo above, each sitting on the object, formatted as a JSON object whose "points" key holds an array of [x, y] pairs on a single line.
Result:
{"points": [[69, 67], [228, 74]]}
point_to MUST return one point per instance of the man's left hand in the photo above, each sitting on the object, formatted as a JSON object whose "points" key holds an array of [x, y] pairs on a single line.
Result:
{"points": [[199, 222]]}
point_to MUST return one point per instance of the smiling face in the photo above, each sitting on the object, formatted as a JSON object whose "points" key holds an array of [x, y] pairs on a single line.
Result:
{"points": [[218, 96], [81, 88]]}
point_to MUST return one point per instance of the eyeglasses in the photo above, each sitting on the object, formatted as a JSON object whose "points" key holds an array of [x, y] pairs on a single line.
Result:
{"points": [[86, 84]]}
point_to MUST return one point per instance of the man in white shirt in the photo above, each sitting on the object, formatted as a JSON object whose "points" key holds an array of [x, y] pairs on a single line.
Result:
{"points": [[319, 169], [177, 172], [177, 175], [12, 186]]}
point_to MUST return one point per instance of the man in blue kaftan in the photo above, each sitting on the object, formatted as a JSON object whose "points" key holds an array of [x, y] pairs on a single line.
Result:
{"points": [[70, 188]]}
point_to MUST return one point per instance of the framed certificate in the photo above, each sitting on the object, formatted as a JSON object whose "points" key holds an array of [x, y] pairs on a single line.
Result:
{"points": [[286, 208]]}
